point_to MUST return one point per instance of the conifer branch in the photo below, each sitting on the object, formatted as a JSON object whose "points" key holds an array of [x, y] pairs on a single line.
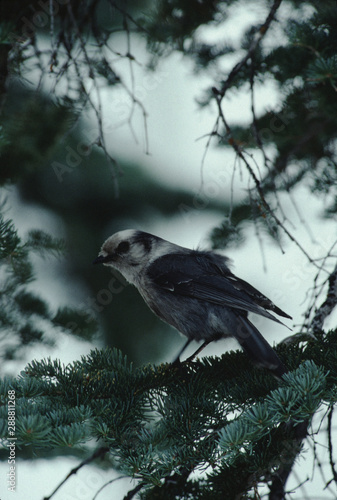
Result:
{"points": [[269, 210], [225, 85]]}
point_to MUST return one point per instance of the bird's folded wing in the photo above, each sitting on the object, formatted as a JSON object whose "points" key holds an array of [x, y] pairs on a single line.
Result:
{"points": [[226, 291]]}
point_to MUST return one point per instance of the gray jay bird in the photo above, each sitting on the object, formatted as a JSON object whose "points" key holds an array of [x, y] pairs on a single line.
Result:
{"points": [[194, 291]]}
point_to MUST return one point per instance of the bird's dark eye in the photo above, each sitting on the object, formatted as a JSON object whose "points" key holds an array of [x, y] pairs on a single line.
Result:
{"points": [[123, 247]]}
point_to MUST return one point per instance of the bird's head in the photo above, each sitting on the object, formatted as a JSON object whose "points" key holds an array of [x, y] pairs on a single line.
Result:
{"points": [[130, 251]]}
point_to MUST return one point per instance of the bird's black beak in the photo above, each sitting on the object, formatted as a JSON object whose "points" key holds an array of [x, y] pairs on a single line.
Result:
{"points": [[100, 260]]}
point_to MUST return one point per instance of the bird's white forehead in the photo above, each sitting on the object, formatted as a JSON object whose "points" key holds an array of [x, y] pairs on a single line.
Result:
{"points": [[126, 234], [116, 238]]}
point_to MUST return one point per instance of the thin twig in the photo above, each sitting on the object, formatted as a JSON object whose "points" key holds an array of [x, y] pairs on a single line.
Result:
{"points": [[331, 460], [301, 218], [258, 37], [328, 305], [100, 453], [256, 133], [203, 159], [98, 109], [257, 183], [133, 492], [317, 289], [107, 484]]}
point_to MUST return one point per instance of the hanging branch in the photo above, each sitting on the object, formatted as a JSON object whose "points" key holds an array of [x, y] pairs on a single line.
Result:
{"points": [[219, 94], [258, 37], [328, 305], [70, 61], [257, 183]]}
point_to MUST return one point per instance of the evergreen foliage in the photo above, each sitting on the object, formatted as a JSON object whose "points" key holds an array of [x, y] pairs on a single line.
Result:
{"points": [[217, 417], [25, 317]]}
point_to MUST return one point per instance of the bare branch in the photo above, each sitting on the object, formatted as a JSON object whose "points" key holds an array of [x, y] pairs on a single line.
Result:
{"points": [[258, 37], [257, 183], [328, 305], [100, 453], [331, 460], [133, 492]]}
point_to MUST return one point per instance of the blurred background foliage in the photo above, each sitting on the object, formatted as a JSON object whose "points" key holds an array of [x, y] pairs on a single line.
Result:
{"points": [[56, 57], [80, 190], [44, 154]]}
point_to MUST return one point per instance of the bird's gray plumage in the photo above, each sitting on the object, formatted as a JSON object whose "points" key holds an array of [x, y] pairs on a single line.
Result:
{"points": [[194, 291]]}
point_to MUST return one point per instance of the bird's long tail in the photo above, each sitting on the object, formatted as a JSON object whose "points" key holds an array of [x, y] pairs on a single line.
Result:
{"points": [[257, 348]]}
